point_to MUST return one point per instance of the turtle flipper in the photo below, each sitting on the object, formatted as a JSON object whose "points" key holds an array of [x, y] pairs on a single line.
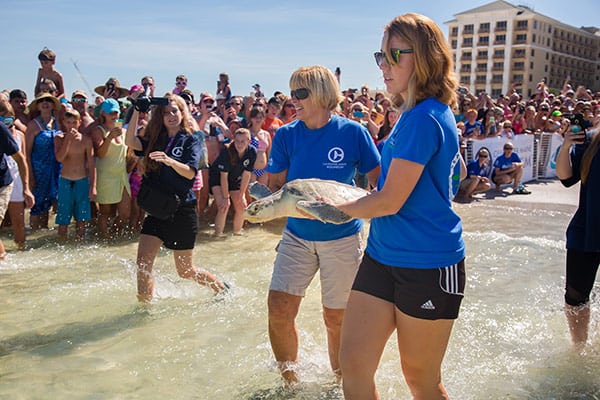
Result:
{"points": [[258, 190], [323, 212]]}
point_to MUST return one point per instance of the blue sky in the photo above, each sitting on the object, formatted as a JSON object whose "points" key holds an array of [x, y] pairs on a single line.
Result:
{"points": [[259, 41]]}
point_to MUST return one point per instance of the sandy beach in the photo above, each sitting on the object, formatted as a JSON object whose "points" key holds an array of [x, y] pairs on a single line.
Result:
{"points": [[548, 192]]}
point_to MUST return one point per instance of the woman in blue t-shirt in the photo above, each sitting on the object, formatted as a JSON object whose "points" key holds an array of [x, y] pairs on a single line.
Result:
{"points": [[318, 144], [412, 276], [171, 154]]}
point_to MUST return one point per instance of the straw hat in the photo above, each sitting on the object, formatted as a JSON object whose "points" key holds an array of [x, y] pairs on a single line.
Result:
{"points": [[122, 92], [33, 106]]}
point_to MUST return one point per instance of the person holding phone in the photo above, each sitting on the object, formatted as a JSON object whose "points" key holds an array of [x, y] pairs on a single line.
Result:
{"points": [[579, 161], [112, 184], [412, 277]]}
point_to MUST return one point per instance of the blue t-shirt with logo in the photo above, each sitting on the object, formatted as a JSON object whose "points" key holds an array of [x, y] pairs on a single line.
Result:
{"points": [[334, 152], [425, 232]]}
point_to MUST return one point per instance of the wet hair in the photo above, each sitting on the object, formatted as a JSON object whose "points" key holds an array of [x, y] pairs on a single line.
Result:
{"points": [[433, 74], [322, 85], [46, 55], [157, 133]]}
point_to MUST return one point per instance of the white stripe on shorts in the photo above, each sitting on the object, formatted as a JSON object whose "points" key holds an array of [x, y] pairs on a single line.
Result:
{"points": [[449, 279]]}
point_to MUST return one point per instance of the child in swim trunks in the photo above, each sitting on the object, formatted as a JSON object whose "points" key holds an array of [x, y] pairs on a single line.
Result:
{"points": [[77, 183]]}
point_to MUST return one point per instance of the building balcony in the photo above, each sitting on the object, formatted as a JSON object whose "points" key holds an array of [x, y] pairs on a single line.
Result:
{"points": [[480, 43], [481, 69], [496, 69], [500, 29], [498, 56], [500, 41], [520, 68], [483, 30], [520, 41], [479, 57], [518, 56], [468, 31], [466, 58]]}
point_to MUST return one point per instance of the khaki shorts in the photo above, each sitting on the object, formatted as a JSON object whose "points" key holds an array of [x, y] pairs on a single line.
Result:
{"points": [[4, 200], [298, 261]]}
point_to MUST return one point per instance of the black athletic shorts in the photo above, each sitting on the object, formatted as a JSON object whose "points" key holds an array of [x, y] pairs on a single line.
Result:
{"points": [[178, 233], [581, 274], [434, 293]]}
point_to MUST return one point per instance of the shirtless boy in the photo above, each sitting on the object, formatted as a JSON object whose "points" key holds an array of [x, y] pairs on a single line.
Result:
{"points": [[77, 183], [47, 59]]}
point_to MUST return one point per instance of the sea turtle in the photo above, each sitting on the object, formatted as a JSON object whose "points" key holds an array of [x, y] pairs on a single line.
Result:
{"points": [[302, 194]]}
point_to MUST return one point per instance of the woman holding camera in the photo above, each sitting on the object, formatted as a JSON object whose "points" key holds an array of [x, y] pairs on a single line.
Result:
{"points": [[412, 277], [171, 155], [579, 160]]}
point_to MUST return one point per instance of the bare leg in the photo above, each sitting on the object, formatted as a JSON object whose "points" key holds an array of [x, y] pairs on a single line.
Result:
{"points": [[123, 212], [221, 216], [578, 318], [80, 226], [333, 322], [62, 233], [148, 247], [422, 344], [283, 334], [517, 176], [34, 222], [105, 212], [368, 324], [239, 204], [16, 210], [185, 269]]}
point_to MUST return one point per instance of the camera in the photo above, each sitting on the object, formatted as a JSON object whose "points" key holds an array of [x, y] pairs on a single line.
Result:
{"points": [[144, 101], [521, 109], [579, 125]]}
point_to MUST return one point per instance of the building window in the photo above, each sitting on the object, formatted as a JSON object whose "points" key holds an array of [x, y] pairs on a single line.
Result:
{"points": [[454, 43], [484, 40], [534, 24], [496, 78], [499, 53], [466, 55], [482, 67], [468, 29], [532, 53], [482, 54], [467, 42], [454, 31], [500, 39], [480, 79], [519, 66], [522, 24], [522, 38], [519, 53], [501, 25], [518, 78], [484, 27], [498, 66], [465, 68]]}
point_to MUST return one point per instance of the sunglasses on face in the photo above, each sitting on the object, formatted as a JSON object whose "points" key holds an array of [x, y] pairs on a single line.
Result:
{"points": [[508, 148], [300, 94], [181, 83], [8, 121], [208, 101], [380, 56], [483, 155], [78, 100]]}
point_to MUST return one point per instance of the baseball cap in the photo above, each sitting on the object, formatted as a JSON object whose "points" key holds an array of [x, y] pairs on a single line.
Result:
{"points": [[110, 105], [79, 93]]}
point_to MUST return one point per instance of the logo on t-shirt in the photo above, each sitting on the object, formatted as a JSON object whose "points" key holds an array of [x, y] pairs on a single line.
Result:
{"points": [[335, 155], [246, 162], [177, 151]]}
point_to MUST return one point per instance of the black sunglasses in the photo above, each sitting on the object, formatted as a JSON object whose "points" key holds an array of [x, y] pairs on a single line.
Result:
{"points": [[300, 94], [483, 155], [380, 56]]}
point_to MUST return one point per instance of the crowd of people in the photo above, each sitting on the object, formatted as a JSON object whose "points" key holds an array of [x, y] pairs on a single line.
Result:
{"points": [[132, 160]]}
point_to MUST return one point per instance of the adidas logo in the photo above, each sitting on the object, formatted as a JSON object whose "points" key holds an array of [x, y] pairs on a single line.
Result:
{"points": [[428, 305]]}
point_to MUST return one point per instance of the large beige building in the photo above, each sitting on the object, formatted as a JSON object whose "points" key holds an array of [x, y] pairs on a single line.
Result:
{"points": [[500, 44]]}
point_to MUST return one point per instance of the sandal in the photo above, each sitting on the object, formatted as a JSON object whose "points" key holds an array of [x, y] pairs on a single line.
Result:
{"points": [[521, 190]]}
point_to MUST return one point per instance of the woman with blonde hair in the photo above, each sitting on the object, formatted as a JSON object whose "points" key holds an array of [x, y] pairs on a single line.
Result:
{"points": [[412, 277], [171, 154], [318, 144]]}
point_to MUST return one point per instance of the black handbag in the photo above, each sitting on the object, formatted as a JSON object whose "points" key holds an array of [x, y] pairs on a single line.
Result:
{"points": [[157, 201]]}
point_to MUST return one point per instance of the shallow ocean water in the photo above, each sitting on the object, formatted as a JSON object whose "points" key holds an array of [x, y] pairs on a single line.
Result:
{"points": [[71, 328]]}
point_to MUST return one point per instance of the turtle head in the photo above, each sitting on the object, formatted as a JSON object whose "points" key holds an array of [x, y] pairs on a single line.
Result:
{"points": [[259, 211]]}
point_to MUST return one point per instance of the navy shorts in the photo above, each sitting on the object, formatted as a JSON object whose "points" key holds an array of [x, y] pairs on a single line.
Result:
{"points": [[178, 233], [581, 274], [433, 293]]}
